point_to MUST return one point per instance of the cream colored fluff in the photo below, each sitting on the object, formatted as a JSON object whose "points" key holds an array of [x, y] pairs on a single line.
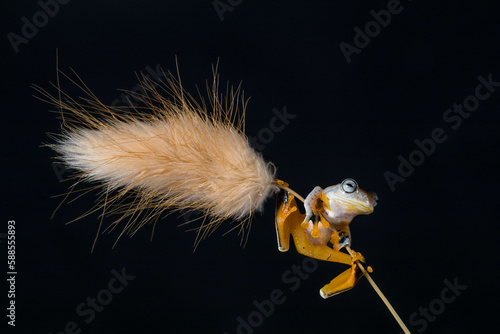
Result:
{"points": [[173, 154]]}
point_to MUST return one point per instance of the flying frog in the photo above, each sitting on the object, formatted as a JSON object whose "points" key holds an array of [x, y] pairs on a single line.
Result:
{"points": [[328, 213]]}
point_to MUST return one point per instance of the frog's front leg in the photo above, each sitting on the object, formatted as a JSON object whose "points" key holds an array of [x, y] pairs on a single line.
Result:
{"points": [[310, 204]]}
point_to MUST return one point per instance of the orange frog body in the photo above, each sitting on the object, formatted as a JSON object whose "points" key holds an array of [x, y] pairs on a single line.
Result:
{"points": [[323, 230]]}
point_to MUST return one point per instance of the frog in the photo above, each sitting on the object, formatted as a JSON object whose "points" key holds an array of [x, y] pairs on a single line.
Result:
{"points": [[322, 231]]}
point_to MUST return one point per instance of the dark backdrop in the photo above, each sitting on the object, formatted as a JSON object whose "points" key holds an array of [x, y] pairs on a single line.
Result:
{"points": [[356, 113]]}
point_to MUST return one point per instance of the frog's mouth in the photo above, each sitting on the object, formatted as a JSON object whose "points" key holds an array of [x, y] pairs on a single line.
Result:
{"points": [[359, 206]]}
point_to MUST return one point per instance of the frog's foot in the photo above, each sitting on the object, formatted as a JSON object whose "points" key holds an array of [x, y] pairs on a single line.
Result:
{"points": [[285, 207], [342, 282]]}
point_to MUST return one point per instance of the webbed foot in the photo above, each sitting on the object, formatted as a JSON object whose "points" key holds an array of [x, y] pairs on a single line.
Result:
{"points": [[342, 282]]}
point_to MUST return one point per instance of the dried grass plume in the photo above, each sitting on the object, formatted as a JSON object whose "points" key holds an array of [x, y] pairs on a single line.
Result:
{"points": [[169, 153]]}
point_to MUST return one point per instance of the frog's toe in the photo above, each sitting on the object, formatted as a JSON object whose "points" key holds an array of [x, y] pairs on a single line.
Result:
{"points": [[357, 257], [305, 222]]}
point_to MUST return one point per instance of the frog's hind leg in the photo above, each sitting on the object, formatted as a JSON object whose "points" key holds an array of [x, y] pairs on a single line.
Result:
{"points": [[342, 282]]}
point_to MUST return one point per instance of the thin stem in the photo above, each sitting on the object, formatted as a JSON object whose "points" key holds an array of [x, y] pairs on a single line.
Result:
{"points": [[365, 272], [290, 191], [380, 293]]}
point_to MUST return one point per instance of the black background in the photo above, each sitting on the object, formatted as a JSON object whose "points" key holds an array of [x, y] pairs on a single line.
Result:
{"points": [[352, 120]]}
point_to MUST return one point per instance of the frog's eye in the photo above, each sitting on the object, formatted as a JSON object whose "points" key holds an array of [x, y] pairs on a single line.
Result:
{"points": [[349, 185]]}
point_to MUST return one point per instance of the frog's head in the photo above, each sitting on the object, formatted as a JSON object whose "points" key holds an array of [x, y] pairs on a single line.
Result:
{"points": [[344, 201]]}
